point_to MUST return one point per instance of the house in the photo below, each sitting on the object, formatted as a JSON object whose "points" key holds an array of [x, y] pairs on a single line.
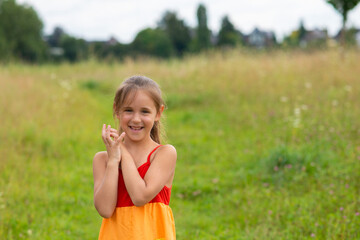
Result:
{"points": [[353, 33], [260, 39], [112, 41], [313, 38], [357, 37]]}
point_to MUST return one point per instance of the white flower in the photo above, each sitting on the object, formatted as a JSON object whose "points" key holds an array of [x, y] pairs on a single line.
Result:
{"points": [[348, 88], [283, 99], [66, 85], [296, 123]]}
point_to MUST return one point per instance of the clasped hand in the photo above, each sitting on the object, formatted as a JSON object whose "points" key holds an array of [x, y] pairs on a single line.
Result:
{"points": [[112, 142]]}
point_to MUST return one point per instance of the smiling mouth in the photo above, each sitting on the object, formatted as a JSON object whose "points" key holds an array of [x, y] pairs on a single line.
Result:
{"points": [[135, 128]]}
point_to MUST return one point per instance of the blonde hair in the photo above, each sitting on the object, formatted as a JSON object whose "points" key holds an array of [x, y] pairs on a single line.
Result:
{"points": [[132, 85]]}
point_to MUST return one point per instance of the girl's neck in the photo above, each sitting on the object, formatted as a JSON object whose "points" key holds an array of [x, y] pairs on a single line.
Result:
{"points": [[139, 146]]}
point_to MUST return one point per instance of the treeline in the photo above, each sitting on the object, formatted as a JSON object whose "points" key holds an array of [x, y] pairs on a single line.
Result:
{"points": [[21, 38]]}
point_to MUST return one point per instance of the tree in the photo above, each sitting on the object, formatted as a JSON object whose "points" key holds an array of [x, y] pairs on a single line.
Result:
{"points": [[203, 32], [343, 7], [153, 42], [178, 32], [5, 52], [74, 49], [21, 30], [55, 38], [302, 31], [228, 35]]}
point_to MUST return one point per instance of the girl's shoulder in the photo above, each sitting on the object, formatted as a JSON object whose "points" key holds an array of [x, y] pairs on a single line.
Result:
{"points": [[168, 147], [168, 151], [101, 156]]}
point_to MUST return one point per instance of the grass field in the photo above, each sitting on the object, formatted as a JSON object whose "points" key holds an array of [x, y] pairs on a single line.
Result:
{"points": [[268, 144]]}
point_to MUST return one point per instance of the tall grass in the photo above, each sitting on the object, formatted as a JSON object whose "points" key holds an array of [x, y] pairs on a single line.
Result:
{"points": [[268, 144]]}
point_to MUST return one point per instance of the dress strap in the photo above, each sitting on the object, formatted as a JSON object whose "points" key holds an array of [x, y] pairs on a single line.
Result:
{"points": [[148, 159]]}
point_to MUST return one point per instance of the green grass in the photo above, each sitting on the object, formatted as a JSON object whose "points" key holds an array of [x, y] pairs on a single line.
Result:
{"points": [[268, 145]]}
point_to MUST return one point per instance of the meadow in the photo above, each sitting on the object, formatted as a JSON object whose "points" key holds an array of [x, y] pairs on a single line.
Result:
{"points": [[268, 144]]}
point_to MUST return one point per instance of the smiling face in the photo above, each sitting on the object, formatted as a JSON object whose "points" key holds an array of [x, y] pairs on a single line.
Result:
{"points": [[137, 116]]}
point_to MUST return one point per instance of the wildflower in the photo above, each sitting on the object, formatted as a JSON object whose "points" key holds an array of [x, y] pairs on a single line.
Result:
{"points": [[312, 235], [308, 85], [304, 107], [29, 232], [283, 99], [270, 212], [341, 209], [331, 192], [196, 193], [335, 103], [357, 214], [347, 186], [180, 195], [348, 88], [65, 84], [276, 168], [296, 122], [215, 180], [288, 166]]}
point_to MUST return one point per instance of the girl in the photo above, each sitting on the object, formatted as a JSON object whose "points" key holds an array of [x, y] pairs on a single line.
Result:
{"points": [[133, 177]]}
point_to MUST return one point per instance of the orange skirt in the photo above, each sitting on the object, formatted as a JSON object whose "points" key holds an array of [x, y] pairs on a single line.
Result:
{"points": [[149, 222]]}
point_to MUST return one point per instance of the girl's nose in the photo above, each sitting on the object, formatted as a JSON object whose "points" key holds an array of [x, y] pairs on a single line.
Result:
{"points": [[136, 117]]}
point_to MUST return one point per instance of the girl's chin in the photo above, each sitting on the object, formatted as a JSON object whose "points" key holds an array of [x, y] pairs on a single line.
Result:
{"points": [[134, 135]]}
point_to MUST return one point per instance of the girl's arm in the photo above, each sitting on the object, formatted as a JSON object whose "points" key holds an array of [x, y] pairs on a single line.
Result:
{"points": [[105, 184], [106, 172], [160, 172]]}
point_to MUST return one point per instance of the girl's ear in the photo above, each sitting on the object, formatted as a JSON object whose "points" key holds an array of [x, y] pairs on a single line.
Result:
{"points": [[117, 114], [158, 114]]}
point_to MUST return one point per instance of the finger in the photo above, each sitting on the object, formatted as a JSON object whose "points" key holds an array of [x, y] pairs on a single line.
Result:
{"points": [[122, 136], [113, 131], [108, 134], [114, 135], [120, 139], [103, 133]]}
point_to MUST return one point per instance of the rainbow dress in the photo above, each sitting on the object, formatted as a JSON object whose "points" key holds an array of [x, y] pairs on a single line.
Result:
{"points": [[152, 221]]}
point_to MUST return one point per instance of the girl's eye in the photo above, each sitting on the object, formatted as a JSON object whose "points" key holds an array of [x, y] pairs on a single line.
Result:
{"points": [[127, 110], [145, 111]]}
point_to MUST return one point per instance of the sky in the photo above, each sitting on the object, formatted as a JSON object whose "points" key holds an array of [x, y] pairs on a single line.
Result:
{"points": [[123, 19]]}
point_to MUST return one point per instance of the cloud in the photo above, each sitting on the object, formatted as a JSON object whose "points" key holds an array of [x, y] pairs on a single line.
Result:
{"points": [[100, 19]]}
